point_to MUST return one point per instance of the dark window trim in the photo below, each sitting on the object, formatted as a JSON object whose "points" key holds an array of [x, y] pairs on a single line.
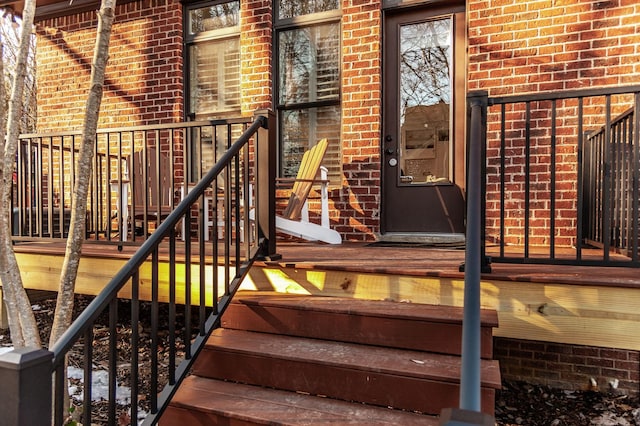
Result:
{"points": [[292, 24]]}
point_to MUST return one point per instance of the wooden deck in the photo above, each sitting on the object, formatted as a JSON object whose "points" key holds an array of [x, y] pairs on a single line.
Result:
{"points": [[597, 306]]}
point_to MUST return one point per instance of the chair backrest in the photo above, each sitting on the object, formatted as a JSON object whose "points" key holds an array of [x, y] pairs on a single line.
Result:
{"points": [[157, 179], [309, 167]]}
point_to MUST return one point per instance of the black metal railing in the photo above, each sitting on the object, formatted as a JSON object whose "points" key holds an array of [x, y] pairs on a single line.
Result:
{"points": [[139, 175], [196, 284], [611, 161], [560, 175]]}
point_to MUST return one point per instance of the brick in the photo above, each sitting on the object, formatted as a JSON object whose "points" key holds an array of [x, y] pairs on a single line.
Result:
{"points": [[615, 354], [546, 374], [600, 362], [611, 373]]}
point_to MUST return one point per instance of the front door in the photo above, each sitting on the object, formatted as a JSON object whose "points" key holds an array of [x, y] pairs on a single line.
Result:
{"points": [[423, 121]]}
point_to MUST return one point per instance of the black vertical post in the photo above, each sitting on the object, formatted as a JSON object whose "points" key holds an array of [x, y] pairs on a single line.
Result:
{"points": [[25, 394], [265, 151], [469, 412], [470, 374]]}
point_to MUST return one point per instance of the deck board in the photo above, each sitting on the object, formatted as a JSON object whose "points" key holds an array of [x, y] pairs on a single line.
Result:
{"points": [[368, 258]]}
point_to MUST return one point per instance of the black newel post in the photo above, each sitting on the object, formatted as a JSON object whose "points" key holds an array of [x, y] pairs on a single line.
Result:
{"points": [[266, 183], [25, 387]]}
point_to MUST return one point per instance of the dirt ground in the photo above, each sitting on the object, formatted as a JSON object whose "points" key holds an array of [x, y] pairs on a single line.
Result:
{"points": [[517, 403], [526, 404]]}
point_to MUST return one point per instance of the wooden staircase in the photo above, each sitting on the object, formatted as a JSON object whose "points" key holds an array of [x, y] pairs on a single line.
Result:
{"points": [[294, 360]]}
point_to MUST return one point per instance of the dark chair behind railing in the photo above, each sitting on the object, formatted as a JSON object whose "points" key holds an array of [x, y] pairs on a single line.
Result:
{"points": [[561, 181], [211, 275]]}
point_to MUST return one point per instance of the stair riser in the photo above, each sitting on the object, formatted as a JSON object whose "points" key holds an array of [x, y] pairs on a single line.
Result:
{"points": [[371, 387], [418, 334]]}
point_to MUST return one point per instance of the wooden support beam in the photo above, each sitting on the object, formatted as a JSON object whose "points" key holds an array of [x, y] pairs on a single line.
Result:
{"points": [[42, 272]]}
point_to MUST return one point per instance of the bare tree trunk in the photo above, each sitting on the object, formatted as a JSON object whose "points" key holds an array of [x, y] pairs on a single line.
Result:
{"points": [[64, 305], [22, 323]]}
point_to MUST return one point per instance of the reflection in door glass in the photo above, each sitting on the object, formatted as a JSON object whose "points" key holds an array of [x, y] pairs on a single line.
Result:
{"points": [[425, 101]]}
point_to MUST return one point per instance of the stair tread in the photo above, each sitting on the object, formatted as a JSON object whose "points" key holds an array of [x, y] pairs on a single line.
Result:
{"points": [[399, 362], [276, 407], [379, 308]]}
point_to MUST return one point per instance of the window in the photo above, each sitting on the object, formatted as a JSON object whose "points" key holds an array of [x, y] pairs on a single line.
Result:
{"points": [[212, 38], [214, 78], [213, 55], [308, 85]]}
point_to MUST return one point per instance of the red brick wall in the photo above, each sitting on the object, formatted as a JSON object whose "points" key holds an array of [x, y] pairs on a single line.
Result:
{"points": [[518, 47], [144, 85], [568, 366], [144, 74], [358, 200], [255, 47]]}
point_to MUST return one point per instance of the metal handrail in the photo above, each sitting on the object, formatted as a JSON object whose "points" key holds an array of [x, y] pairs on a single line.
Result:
{"points": [[82, 327]]}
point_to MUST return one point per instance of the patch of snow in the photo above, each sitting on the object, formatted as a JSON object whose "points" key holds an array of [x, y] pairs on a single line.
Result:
{"points": [[100, 389], [36, 307], [99, 386], [5, 350]]}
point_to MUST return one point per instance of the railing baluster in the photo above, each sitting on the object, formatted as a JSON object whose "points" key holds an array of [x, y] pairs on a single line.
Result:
{"points": [[246, 203], [201, 265], [503, 174], [88, 372], [606, 177], [627, 180], [215, 235], [636, 178], [38, 184], [227, 218], [172, 307], [60, 381], [552, 197], [154, 330], [187, 289], [582, 177], [113, 360], [135, 345], [48, 196], [107, 177], [527, 177]]}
